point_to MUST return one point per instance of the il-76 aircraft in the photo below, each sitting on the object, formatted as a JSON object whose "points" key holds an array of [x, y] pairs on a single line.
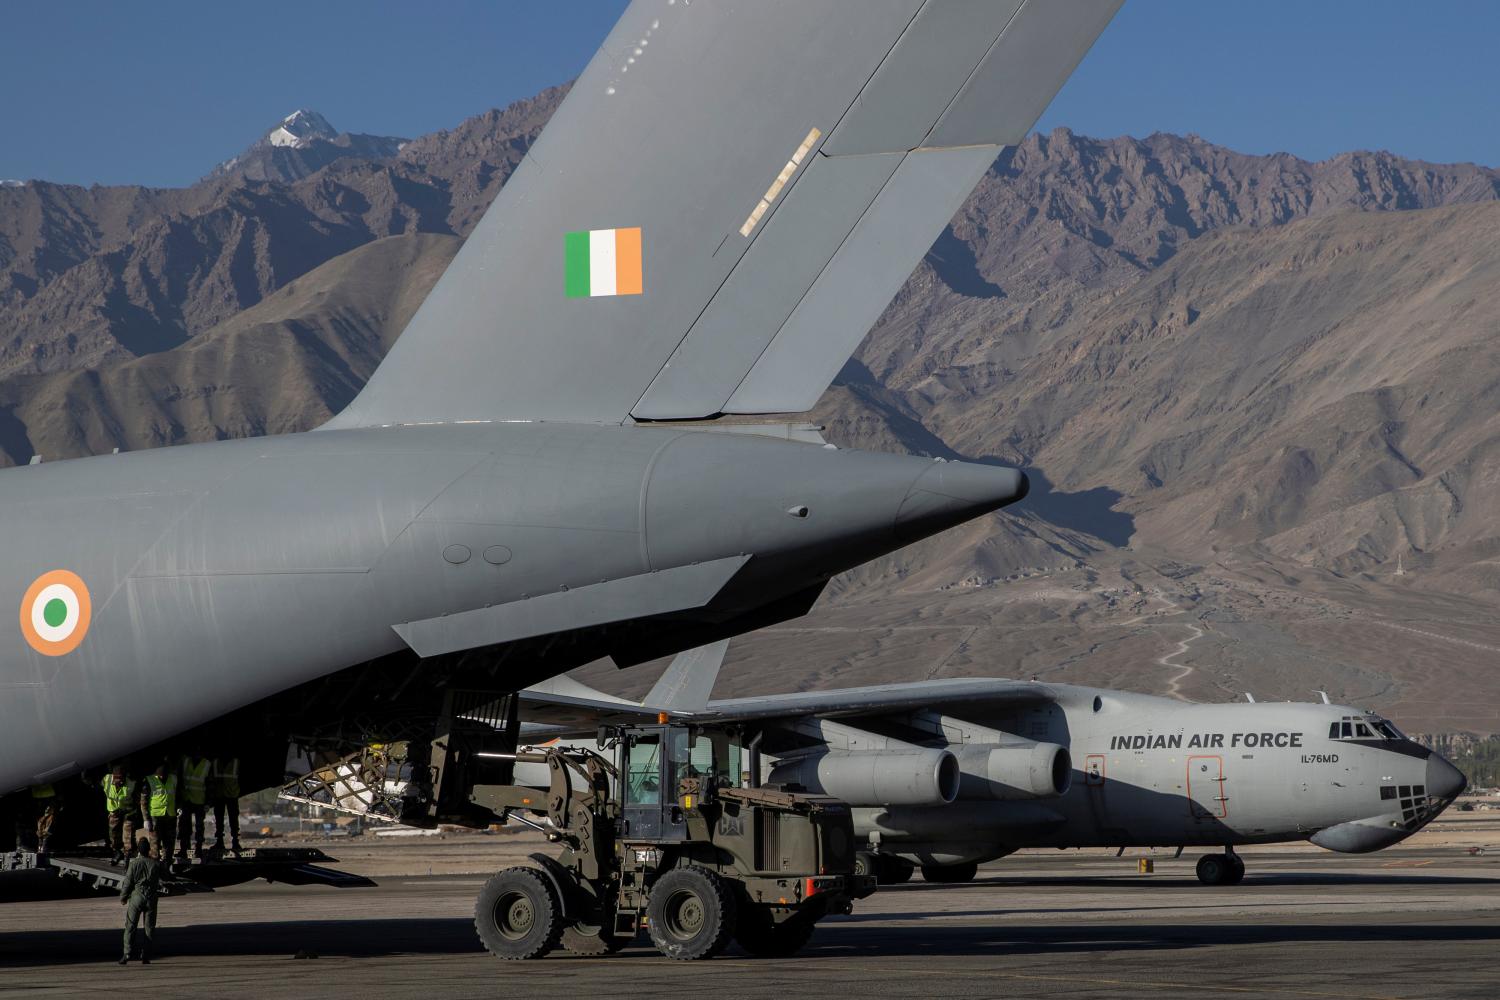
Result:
{"points": [[948, 774], [537, 475]]}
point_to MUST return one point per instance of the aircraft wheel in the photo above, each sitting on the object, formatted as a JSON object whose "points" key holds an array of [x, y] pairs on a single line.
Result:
{"points": [[1236, 870], [692, 914], [893, 871], [592, 941], [950, 874], [1216, 869], [763, 937], [518, 915], [866, 863]]}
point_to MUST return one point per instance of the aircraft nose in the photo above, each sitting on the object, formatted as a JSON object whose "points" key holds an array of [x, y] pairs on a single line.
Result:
{"points": [[950, 493], [1444, 781]]}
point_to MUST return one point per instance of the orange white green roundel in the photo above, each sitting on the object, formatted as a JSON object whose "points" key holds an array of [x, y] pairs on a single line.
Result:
{"points": [[55, 613]]}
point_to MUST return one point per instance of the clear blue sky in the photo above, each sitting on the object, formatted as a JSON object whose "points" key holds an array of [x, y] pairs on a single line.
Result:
{"points": [[158, 92]]}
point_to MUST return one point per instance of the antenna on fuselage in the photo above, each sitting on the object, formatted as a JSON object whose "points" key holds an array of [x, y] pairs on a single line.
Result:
{"points": [[1250, 697], [1324, 696]]}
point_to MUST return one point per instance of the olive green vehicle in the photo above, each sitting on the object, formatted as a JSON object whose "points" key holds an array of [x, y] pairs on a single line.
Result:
{"points": [[663, 837]]}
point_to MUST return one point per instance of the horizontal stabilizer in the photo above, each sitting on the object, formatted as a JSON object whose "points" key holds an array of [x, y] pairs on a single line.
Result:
{"points": [[722, 206], [663, 592]]}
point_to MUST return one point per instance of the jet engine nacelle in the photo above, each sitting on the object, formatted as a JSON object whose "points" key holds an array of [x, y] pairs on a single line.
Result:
{"points": [[1019, 770], [915, 777]]}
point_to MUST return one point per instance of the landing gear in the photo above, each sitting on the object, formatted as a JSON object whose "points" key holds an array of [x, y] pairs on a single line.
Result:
{"points": [[692, 914], [887, 869], [950, 874], [1221, 869], [518, 915]]}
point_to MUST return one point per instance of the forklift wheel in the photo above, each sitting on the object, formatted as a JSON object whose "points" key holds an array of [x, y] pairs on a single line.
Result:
{"points": [[518, 915], [692, 914], [762, 937], [592, 941]]}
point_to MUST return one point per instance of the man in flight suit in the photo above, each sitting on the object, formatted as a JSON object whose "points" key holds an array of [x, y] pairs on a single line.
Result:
{"points": [[196, 770], [122, 813], [138, 892], [159, 805]]}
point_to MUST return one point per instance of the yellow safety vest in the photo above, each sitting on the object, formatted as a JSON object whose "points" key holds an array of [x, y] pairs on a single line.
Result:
{"points": [[163, 795], [195, 782], [116, 797], [227, 779]]}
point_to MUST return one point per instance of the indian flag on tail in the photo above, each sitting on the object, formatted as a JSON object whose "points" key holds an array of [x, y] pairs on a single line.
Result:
{"points": [[603, 262]]}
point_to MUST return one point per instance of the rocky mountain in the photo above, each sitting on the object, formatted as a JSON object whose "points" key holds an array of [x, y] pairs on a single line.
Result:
{"points": [[1195, 351], [300, 144]]}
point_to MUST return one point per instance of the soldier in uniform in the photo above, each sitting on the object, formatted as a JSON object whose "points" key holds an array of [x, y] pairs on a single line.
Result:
{"points": [[159, 805], [122, 812], [196, 770], [45, 806], [226, 797], [138, 892]]}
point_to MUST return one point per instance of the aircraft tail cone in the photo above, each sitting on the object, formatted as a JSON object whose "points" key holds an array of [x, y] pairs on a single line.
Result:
{"points": [[951, 493]]}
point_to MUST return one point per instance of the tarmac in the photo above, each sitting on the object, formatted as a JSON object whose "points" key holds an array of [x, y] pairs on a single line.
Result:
{"points": [[1417, 922]]}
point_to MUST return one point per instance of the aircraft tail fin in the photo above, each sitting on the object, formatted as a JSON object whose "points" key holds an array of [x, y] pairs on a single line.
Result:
{"points": [[723, 205], [688, 681]]}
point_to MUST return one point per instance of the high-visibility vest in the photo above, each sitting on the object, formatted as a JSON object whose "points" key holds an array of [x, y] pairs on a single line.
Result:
{"points": [[163, 795], [195, 782], [116, 797], [227, 778]]}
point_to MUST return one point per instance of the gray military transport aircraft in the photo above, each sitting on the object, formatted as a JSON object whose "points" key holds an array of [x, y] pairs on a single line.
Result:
{"points": [[537, 475], [948, 774]]}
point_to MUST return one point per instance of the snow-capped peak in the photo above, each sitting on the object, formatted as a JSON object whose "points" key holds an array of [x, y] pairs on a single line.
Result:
{"points": [[300, 128], [12, 184]]}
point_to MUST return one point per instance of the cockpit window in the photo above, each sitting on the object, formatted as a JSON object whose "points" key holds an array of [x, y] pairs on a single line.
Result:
{"points": [[1363, 727]]}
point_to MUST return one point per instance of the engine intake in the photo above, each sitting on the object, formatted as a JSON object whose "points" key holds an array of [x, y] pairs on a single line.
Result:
{"points": [[914, 777]]}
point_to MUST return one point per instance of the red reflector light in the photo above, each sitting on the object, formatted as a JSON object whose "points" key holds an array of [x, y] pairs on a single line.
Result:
{"points": [[810, 889]]}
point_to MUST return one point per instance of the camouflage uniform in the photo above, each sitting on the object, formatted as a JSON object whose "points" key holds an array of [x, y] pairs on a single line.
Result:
{"points": [[122, 815]]}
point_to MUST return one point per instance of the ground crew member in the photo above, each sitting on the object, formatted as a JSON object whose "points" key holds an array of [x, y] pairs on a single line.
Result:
{"points": [[225, 790], [196, 770], [138, 892], [46, 807], [159, 804], [122, 812]]}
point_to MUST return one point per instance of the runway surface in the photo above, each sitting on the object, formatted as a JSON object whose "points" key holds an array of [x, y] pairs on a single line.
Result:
{"points": [[1413, 923]]}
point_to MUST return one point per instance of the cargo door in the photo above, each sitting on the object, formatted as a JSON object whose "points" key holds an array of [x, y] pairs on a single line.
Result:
{"points": [[1205, 788]]}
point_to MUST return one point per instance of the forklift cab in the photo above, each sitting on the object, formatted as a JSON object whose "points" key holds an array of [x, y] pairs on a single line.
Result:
{"points": [[666, 771]]}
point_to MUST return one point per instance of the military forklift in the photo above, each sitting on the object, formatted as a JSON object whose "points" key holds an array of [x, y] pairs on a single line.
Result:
{"points": [[661, 830]]}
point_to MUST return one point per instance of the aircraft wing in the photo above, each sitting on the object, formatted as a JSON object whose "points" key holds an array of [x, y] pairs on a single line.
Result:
{"points": [[723, 205], [937, 696]]}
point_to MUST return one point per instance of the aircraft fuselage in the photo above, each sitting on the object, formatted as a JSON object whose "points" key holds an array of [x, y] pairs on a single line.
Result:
{"points": [[191, 581]]}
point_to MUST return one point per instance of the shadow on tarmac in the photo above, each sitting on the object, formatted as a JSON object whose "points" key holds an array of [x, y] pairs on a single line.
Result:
{"points": [[447, 936], [1270, 880]]}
